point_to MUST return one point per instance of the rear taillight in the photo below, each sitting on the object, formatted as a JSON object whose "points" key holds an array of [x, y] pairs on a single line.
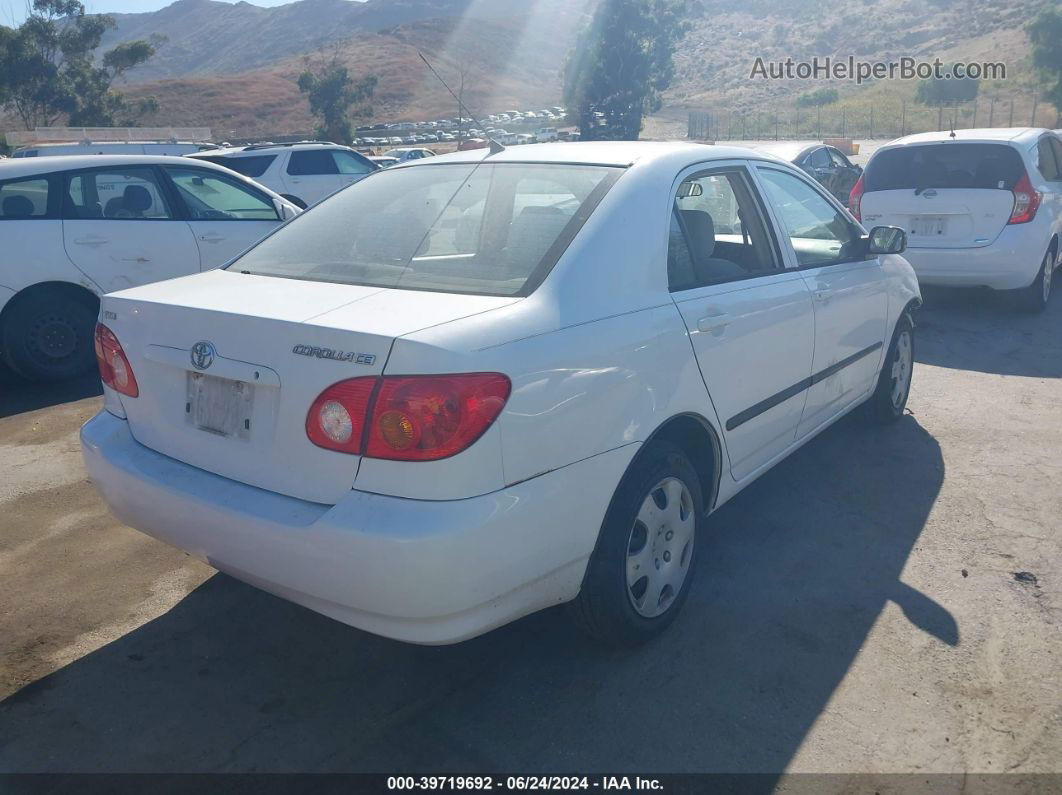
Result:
{"points": [[1026, 201], [336, 420], [115, 370], [408, 417], [855, 198]]}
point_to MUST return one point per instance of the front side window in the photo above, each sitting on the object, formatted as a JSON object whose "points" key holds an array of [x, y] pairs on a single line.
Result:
{"points": [[25, 198], [819, 159], [1046, 162], [216, 197], [838, 159], [820, 233], [119, 194], [717, 233], [481, 228], [350, 163]]}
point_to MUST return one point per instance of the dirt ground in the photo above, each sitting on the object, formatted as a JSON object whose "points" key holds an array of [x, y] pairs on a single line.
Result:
{"points": [[886, 600]]}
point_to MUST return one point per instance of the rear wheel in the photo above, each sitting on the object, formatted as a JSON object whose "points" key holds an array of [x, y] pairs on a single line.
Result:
{"points": [[640, 572], [48, 336], [1034, 297], [894, 382]]}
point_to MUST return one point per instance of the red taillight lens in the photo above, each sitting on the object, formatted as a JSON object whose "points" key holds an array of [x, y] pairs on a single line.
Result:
{"points": [[410, 417], [425, 418], [1026, 201], [336, 420], [115, 370], [855, 198]]}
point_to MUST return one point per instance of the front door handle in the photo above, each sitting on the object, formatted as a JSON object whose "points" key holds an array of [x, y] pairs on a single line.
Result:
{"points": [[91, 240], [212, 237], [713, 322]]}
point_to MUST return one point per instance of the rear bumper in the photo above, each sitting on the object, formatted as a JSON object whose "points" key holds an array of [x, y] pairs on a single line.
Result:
{"points": [[414, 570], [1011, 262]]}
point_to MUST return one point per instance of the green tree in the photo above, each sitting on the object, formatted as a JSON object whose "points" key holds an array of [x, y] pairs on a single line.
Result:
{"points": [[333, 93], [942, 91], [1045, 33], [621, 64], [47, 68]]}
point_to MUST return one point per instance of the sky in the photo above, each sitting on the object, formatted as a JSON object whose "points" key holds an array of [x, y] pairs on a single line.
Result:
{"points": [[12, 12]]}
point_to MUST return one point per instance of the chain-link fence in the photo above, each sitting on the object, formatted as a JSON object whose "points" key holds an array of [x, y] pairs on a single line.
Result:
{"points": [[884, 119]]}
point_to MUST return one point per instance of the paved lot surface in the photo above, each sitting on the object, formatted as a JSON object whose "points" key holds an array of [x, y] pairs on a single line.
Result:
{"points": [[885, 600]]}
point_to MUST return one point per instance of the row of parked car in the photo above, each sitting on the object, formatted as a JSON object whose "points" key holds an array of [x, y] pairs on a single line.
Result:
{"points": [[979, 207]]}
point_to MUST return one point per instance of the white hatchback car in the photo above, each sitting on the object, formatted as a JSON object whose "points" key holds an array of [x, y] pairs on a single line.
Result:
{"points": [[981, 207], [477, 386], [303, 173], [74, 228]]}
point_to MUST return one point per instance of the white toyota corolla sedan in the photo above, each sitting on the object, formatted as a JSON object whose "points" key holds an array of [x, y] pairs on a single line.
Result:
{"points": [[472, 387]]}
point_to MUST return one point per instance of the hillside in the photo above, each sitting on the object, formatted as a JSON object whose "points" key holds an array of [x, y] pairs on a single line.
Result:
{"points": [[234, 67]]}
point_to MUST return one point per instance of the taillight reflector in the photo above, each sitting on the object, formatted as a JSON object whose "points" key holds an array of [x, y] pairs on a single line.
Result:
{"points": [[115, 370]]}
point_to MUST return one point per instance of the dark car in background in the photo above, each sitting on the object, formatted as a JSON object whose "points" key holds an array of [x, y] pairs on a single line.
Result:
{"points": [[832, 169]]}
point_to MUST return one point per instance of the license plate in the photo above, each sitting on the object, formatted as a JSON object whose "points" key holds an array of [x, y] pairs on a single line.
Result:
{"points": [[928, 225], [219, 405]]}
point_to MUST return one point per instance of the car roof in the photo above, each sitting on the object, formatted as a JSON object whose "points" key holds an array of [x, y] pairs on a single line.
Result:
{"points": [[601, 153], [788, 151], [1017, 135], [24, 166], [250, 150]]}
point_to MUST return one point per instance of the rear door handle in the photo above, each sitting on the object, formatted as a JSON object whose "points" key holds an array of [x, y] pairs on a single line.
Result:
{"points": [[821, 295], [212, 237], [713, 322], [91, 240]]}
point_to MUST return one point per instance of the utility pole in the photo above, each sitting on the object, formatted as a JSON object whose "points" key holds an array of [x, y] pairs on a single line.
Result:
{"points": [[991, 111], [1036, 104], [903, 117]]}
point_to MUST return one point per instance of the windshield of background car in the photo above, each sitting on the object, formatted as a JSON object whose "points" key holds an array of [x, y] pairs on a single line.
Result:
{"points": [[479, 228], [944, 165]]}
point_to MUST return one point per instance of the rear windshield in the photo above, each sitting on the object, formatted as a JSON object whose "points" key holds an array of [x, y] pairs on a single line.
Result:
{"points": [[480, 228], [944, 165], [248, 166]]}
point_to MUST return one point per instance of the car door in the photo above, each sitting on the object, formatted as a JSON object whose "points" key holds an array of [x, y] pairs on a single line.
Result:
{"points": [[749, 319], [849, 293], [845, 175], [226, 215], [121, 230]]}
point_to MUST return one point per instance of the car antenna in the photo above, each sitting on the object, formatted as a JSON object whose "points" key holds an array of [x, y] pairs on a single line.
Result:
{"points": [[495, 146]]}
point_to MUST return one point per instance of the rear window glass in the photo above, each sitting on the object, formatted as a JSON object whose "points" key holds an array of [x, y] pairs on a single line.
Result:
{"points": [[944, 165], [491, 229], [26, 198], [248, 166]]}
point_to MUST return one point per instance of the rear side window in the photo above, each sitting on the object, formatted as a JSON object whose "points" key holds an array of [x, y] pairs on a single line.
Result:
{"points": [[478, 228], [120, 194], [27, 198], [944, 165], [248, 166]]}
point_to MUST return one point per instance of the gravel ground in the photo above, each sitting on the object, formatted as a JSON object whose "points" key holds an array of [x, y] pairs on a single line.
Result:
{"points": [[886, 600]]}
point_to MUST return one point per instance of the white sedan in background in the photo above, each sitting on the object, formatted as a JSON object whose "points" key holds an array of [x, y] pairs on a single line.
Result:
{"points": [[462, 391], [76, 227]]}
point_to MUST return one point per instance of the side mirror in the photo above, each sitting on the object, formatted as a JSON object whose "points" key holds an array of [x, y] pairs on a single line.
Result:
{"points": [[886, 240]]}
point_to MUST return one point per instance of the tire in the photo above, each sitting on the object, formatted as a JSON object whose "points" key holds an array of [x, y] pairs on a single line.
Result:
{"points": [[48, 336], [894, 382], [294, 200], [640, 572], [1034, 297]]}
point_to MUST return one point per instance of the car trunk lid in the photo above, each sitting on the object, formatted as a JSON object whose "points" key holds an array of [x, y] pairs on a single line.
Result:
{"points": [[229, 364]]}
